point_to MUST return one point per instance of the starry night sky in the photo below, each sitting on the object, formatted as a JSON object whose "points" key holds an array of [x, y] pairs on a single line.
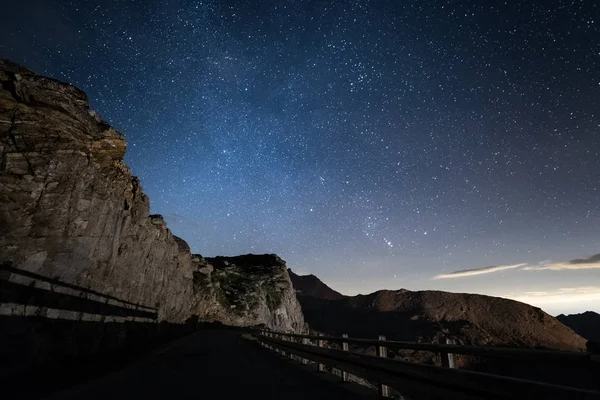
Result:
{"points": [[376, 144]]}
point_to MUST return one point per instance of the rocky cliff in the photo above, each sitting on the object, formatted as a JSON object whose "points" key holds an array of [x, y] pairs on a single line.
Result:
{"points": [[71, 211], [247, 290]]}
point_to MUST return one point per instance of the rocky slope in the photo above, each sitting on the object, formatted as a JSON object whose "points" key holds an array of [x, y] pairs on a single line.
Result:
{"points": [[71, 210], [476, 319], [247, 290], [310, 285], [429, 316], [586, 324]]}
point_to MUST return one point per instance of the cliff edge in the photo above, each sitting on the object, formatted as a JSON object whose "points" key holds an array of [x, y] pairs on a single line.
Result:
{"points": [[71, 211]]}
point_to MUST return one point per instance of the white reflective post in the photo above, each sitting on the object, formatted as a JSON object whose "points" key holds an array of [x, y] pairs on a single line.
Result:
{"points": [[384, 391]]}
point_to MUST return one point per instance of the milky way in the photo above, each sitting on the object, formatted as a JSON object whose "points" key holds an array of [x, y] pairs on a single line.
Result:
{"points": [[373, 143]]}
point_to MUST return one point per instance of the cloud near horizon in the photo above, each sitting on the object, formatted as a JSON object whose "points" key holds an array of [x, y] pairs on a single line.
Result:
{"points": [[477, 271], [592, 262], [560, 297]]}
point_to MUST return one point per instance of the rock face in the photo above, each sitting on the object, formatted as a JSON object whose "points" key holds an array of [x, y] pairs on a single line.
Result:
{"points": [[310, 285], [70, 208], [586, 324], [247, 290], [84, 269], [429, 316]]}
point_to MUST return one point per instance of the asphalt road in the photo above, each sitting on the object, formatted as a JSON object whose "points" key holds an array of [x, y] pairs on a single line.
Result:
{"points": [[217, 364]]}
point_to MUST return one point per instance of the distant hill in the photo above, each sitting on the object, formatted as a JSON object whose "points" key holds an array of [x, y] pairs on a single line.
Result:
{"points": [[430, 316], [310, 285], [586, 324]]}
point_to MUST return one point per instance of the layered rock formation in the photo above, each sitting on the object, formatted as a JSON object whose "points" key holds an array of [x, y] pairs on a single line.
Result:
{"points": [[247, 290], [70, 210], [430, 316]]}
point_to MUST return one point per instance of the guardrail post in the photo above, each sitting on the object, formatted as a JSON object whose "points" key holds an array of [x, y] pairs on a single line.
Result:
{"points": [[344, 348], [281, 337], [274, 336], [384, 390], [320, 343], [451, 356], [304, 360], [447, 359], [292, 339]]}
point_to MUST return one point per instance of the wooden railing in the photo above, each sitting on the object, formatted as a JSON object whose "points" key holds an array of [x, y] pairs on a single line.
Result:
{"points": [[420, 381]]}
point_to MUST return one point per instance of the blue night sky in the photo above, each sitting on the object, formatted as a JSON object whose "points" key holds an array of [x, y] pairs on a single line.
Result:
{"points": [[375, 144]]}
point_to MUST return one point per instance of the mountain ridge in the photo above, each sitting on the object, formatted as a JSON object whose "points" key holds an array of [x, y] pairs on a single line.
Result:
{"points": [[310, 285], [431, 315], [586, 324]]}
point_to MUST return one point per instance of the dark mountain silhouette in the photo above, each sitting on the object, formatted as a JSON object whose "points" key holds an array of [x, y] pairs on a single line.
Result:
{"points": [[310, 285], [431, 316], [586, 324]]}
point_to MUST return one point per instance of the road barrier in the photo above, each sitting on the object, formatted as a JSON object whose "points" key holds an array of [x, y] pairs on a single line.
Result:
{"points": [[420, 381]]}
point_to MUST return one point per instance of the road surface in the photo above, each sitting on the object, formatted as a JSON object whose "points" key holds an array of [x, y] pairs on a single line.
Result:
{"points": [[217, 364]]}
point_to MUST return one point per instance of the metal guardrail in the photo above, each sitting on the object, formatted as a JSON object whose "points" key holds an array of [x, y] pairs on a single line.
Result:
{"points": [[552, 356], [420, 381], [6, 270], [41, 292]]}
